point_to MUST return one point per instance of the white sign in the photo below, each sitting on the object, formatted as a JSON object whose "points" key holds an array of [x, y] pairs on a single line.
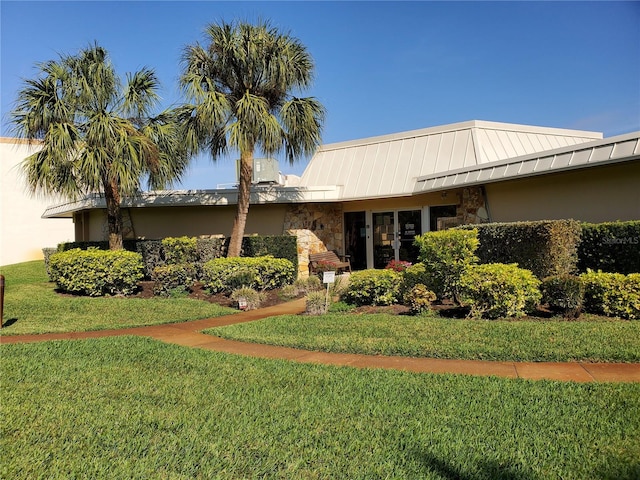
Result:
{"points": [[328, 277]]}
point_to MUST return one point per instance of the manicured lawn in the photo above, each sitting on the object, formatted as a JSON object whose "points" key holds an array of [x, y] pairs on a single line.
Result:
{"points": [[32, 306], [596, 340], [136, 408]]}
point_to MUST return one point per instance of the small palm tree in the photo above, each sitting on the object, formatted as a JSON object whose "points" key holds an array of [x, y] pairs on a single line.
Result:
{"points": [[97, 136], [241, 87]]}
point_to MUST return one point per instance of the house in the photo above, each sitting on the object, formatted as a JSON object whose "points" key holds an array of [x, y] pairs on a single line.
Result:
{"points": [[23, 231], [369, 198]]}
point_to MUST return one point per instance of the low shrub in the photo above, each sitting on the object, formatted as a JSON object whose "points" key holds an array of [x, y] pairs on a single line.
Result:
{"points": [[152, 255], [419, 299], [260, 273], [96, 272], [174, 279], [564, 294], [308, 284], [612, 294], [496, 290], [373, 287], [398, 265], [247, 298], [317, 303], [412, 276], [446, 255], [180, 250]]}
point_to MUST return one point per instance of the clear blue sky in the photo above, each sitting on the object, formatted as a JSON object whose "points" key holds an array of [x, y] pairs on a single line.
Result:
{"points": [[381, 67]]}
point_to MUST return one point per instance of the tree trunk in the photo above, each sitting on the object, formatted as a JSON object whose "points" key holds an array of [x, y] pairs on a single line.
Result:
{"points": [[244, 196], [114, 216]]}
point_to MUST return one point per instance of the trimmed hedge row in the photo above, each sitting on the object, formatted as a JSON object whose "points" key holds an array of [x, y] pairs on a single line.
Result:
{"points": [[546, 248], [260, 273], [610, 247], [175, 250]]}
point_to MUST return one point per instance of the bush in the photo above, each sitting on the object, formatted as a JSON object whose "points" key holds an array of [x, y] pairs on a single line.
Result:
{"points": [[96, 272], [546, 247], [152, 254], [46, 253], [174, 279], [564, 294], [180, 250], [373, 287], [611, 247], [497, 290], [446, 255], [247, 298], [308, 284], [412, 276], [278, 246], [260, 273], [612, 294], [398, 265], [419, 299], [209, 248], [317, 303]]}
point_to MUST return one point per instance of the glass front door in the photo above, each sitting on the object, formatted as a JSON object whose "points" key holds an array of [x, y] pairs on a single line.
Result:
{"points": [[393, 235], [355, 239]]}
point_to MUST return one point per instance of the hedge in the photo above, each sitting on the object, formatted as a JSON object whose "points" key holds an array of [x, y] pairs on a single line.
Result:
{"points": [[611, 247], [260, 273], [548, 247]]}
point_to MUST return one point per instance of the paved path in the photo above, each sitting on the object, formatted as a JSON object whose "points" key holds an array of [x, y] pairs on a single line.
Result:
{"points": [[187, 334]]}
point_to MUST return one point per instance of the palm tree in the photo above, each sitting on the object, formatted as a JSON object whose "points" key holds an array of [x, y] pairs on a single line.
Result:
{"points": [[97, 135], [241, 87]]}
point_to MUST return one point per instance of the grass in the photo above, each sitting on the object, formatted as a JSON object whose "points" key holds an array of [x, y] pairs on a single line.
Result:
{"points": [[136, 408], [595, 340], [32, 306]]}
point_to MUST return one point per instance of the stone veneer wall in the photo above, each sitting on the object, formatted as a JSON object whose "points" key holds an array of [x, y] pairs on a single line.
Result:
{"points": [[473, 207], [318, 228]]}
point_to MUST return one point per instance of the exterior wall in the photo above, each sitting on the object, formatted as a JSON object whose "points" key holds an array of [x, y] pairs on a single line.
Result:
{"points": [[178, 221], [598, 194], [23, 233]]}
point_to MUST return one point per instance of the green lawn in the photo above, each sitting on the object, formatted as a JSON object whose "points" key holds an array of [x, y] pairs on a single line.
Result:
{"points": [[32, 306], [594, 340], [131, 407]]}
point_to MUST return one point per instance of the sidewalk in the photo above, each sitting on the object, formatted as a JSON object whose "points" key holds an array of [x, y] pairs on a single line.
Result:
{"points": [[187, 334]]}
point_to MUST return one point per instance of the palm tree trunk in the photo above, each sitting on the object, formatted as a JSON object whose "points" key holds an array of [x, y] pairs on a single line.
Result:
{"points": [[114, 216], [244, 196]]}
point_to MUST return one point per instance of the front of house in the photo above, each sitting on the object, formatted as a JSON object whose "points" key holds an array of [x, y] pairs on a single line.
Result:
{"points": [[369, 198]]}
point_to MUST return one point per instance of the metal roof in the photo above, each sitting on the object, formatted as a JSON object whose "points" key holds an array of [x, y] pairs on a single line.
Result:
{"points": [[600, 152], [389, 165]]}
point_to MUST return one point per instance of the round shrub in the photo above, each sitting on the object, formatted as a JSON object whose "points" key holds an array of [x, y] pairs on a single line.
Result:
{"points": [[564, 294], [373, 287], [96, 272], [612, 294], [260, 273], [247, 298], [497, 290], [412, 276], [172, 279]]}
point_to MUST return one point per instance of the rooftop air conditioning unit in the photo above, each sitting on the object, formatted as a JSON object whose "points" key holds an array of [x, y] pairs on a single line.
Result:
{"points": [[265, 171]]}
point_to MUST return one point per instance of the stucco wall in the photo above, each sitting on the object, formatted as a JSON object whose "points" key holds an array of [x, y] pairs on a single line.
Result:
{"points": [[190, 221], [23, 233], [598, 194]]}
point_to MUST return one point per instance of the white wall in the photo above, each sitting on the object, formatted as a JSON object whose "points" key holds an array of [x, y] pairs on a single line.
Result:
{"points": [[23, 233]]}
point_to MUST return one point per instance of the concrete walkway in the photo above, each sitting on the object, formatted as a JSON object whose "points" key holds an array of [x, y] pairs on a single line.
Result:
{"points": [[187, 334]]}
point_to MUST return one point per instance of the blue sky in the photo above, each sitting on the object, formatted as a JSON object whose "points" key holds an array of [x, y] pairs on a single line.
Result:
{"points": [[381, 67]]}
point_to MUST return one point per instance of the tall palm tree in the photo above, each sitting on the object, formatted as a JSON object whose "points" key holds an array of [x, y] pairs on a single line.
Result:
{"points": [[241, 86], [97, 134]]}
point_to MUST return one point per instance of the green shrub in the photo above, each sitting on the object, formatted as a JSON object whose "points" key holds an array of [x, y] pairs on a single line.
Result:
{"points": [[612, 294], [278, 246], [247, 298], [419, 299], [446, 255], [317, 303], [209, 248], [152, 254], [564, 294], [547, 247], [46, 253], [174, 278], [96, 272], [179, 250], [414, 275], [373, 287], [611, 247], [308, 284], [261, 273], [497, 290]]}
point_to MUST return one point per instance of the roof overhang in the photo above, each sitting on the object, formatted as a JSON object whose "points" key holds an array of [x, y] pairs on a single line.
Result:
{"points": [[267, 194], [612, 150]]}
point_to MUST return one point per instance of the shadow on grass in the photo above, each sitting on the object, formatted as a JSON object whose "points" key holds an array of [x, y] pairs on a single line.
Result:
{"points": [[9, 322], [488, 469]]}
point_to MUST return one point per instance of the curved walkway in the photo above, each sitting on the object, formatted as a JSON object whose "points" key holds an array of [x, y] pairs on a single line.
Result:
{"points": [[187, 334]]}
